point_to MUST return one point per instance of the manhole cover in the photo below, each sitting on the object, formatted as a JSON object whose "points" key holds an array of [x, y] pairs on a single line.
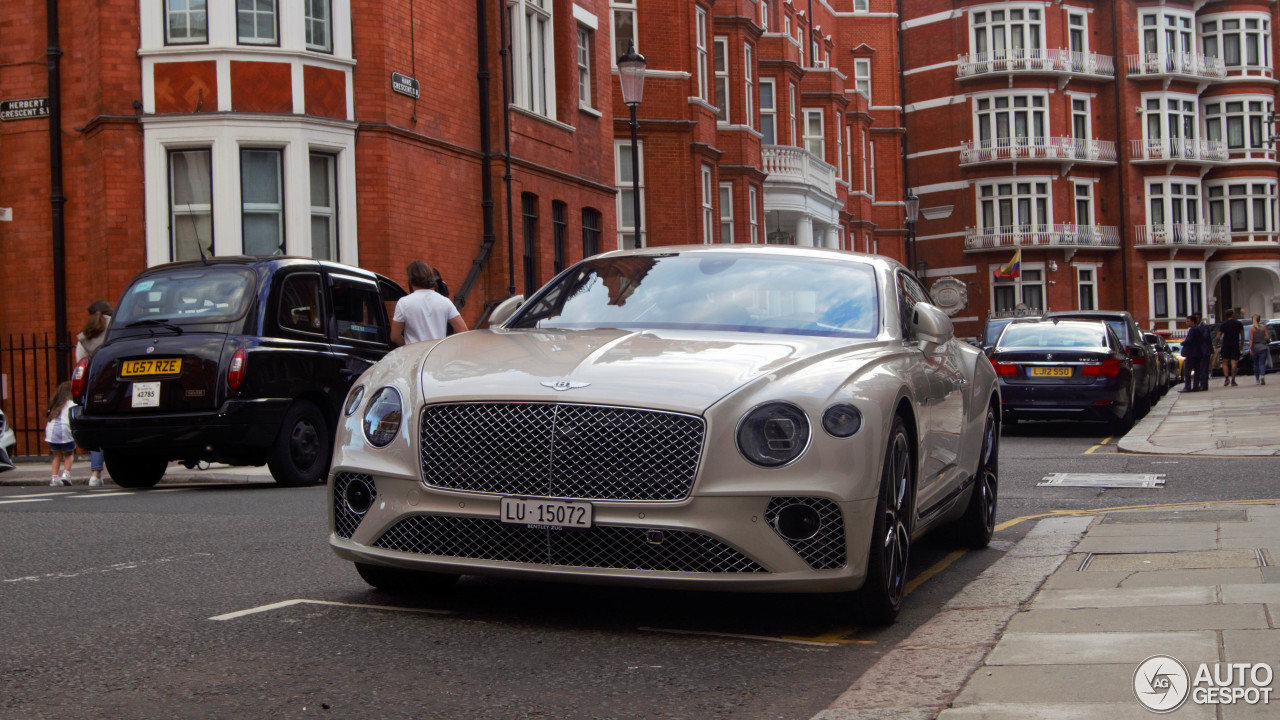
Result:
{"points": [[1103, 480]]}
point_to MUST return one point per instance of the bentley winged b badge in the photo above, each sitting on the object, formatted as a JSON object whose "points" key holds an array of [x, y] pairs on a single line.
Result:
{"points": [[559, 385]]}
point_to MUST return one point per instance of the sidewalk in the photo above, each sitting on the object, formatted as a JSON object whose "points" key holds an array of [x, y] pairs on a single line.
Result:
{"points": [[36, 472], [1101, 616]]}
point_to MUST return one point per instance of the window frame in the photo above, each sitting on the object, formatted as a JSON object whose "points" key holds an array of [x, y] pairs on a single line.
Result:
{"points": [[190, 209], [584, 57], [626, 10], [769, 115], [809, 138], [708, 207], [726, 212], [262, 208], [309, 21], [170, 13], [720, 66], [533, 68], [624, 202], [255, 39], [329, 213], [862, 77]]}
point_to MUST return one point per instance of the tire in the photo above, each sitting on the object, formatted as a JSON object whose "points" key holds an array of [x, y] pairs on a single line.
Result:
{"points": [[301, 452], [1124, 423], [880, 597], [134, 471], [975, 528], [399, 581]]}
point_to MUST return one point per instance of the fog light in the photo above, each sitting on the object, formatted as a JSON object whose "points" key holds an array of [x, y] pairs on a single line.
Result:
{"points": [[358, 496], [797, 522]]}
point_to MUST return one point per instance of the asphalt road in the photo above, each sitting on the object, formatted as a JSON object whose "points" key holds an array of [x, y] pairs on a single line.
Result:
{"points": [[109, 600]]}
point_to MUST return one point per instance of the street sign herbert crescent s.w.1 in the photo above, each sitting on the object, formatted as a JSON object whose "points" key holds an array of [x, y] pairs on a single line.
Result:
{"points": [[24, 109]]}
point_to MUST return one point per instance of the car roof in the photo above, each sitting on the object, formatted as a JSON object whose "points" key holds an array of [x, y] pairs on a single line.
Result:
{"points": [[1099, 314], [273, 262], [817, 253]]}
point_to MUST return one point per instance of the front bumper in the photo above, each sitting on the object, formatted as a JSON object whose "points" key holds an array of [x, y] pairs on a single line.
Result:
{"points": [[721, 542], [238, 423]]}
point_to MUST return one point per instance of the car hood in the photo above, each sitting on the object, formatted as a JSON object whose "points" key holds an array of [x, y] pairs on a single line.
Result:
{"points": [[667, 369]]}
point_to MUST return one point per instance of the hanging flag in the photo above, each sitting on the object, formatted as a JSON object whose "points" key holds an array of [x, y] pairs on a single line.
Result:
{"points": [[1012, 269]]}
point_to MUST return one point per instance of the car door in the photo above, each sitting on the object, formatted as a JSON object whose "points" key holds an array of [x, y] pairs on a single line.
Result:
{"points": [[360, 331], [294, 356], [942, 423]]}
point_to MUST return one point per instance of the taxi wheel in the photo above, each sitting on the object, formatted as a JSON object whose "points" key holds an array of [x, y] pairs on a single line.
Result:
{"points": [[975, 528], [134, 471], [401, 581], [881, 595], [301, 453]]}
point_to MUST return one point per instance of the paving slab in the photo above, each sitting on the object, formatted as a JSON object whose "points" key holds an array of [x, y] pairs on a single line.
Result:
{"points": [[1135, 597], [1176, 515], [1269, 593], [1049, 684], [1107, 647], [1200, 576], [1138, 541], [1129, 619], [1072, 711], [1253, 646], [1070, 579], [1187, 560], [1105, 529]]}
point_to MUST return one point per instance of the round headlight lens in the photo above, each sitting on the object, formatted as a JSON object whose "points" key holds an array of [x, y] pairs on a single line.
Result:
{"points": [[353, 400], [383, 416], [773, 434], [842, 420]]}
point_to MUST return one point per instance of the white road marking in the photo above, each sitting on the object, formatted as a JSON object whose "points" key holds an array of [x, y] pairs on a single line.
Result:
{"points": [[739, 636], [101, 570], [14, 502], [104, 494], [301, 601], [49, 494]]}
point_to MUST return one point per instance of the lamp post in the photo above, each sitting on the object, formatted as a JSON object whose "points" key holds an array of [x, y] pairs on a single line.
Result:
{"points": [[631, 72], [912, 207]]}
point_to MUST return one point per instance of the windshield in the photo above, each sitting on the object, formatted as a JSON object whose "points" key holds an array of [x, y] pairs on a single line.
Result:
{"points": [[711, 291], [191, 295], [1054, 335]]}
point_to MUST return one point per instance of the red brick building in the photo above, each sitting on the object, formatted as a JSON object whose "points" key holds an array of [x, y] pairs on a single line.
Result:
{"points": [[488, 138], [1124, 148]]}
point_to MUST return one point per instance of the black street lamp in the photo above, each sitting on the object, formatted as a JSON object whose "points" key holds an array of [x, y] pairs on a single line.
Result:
{"points": [[912, 207], [631, 72]]}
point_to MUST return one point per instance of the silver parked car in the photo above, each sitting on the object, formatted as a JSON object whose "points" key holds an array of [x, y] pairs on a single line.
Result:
{"points": [[716, 417]]}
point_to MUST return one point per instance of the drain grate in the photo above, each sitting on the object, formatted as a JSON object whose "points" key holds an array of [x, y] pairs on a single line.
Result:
{"points": [[1103, 480]]}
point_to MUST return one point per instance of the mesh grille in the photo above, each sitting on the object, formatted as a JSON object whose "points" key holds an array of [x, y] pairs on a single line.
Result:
{"points": [[826, 549], [587, 452], [602, 546], [345, 522]]}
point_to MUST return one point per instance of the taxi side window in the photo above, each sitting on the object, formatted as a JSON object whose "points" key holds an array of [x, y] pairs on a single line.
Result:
{"points": [[301, 304], [356, 311]]}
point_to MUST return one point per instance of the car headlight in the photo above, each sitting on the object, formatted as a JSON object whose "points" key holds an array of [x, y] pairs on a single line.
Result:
{"points": [[382, 417], [842, 420], [353, 400], [773, 434]]}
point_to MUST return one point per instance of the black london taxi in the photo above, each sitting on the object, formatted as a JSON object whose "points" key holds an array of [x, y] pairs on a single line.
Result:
{"points": [[237, 360]]}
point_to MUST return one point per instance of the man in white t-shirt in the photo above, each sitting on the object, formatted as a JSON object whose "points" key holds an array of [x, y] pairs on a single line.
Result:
{"points": [[423, 314]]}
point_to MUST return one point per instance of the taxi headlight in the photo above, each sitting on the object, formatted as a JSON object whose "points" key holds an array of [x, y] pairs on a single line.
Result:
{"points": [[383, 416], [773, 434]]}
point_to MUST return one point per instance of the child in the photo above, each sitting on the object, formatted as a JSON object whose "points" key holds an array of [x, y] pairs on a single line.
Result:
{"points": [[58, 434]]}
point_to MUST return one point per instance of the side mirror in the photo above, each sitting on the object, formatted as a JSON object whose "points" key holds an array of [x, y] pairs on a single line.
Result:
{"points": [[505, 310], [931, 326]]}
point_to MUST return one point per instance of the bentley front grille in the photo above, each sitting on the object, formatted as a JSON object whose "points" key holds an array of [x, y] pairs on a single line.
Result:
{"points": [[581, 452], [345, 518], [825, 550], [601, 546]]}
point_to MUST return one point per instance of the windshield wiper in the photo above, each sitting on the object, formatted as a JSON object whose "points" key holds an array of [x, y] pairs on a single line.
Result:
{"points": [[162, 322]]}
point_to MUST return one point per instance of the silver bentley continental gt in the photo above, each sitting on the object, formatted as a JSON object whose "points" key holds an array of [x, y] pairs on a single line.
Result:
{"points": [[755, 418]]}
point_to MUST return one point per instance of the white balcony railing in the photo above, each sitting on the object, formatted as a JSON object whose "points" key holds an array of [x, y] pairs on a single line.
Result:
{"points": [[1177, 64], [1031, 148], [1178, 150], [1180, 234], [1034, 60], [1063, 235], [787, 163]]}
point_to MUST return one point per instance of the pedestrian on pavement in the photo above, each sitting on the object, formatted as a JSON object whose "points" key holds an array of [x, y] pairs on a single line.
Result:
{"points": [[1258, 341], [58, 434], [1195, 366], [1232, 333], [423, 314], [87, 343]]}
